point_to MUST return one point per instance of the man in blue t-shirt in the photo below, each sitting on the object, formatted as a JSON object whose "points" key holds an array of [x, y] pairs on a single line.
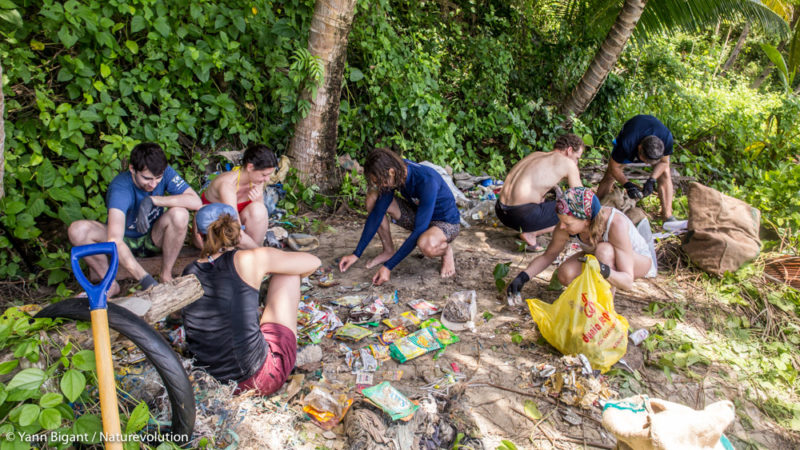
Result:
{"points": [[643, 139], [137, 221]]}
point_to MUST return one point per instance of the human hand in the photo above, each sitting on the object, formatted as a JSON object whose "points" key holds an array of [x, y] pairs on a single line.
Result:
{"points": [[381, 276], [255, 192], [605, 269], [143, 215], [633, 190], [346, 262], [649, 187], [515, 287]]}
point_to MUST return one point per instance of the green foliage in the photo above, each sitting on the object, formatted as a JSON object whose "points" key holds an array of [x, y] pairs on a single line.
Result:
{"points": [[297, 193], [785, 71], [499, 273], [55, 395], [85, 81]]}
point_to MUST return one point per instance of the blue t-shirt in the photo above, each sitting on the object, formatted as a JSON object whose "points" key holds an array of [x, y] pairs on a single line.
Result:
{"points": [[124, 195], [425, 188], [626, 148]]}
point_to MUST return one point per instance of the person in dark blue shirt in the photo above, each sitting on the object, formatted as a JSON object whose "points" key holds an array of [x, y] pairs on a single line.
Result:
{"points": [[137, 222], [425, 206], [643, 139]]}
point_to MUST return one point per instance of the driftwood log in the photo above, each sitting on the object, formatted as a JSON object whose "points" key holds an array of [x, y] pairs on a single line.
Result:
{"points": [[163, 298]]}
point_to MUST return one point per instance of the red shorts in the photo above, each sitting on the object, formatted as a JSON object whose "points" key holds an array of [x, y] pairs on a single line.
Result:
{"points": [[280, 360]]}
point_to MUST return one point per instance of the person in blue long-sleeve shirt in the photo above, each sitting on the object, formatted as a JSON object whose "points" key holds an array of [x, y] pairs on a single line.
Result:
{"points": [[425, 206]]}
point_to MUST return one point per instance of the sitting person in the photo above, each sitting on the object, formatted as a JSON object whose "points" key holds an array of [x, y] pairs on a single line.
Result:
{"points": [[605, 232], [243, 188], [224, 330], [643, 138], [137, 222], [521, 204], [427, 208]]}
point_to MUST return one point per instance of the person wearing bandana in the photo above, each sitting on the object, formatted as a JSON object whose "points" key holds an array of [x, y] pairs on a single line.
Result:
{"points": [[602, 231]]}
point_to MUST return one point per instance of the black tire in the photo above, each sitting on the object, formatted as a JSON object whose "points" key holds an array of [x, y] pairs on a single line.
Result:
{"points": [[156, 349]]}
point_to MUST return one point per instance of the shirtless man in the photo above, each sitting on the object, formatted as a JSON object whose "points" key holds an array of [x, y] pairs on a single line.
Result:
{"points": [[521, 204]]}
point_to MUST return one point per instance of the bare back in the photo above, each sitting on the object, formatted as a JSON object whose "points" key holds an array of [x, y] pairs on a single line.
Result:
{"points": [[537, 173]]}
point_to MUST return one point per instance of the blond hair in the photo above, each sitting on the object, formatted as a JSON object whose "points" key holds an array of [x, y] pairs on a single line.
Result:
{"points": [[597, 226]]}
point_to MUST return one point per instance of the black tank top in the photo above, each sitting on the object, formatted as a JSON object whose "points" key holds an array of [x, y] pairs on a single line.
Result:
{"points": [[222, 327]]}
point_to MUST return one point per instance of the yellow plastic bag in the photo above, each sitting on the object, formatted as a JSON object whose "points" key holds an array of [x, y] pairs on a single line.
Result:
{"points": [[583, 320]]}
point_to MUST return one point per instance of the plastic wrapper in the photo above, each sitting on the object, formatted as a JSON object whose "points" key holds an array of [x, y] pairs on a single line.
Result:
{"points": [[354, 332], [445, 336], [326, 406], [368, 362], [380, 352], [392, 335], [411, 317], [390, 400], [348, 301], [372, 311], [327, 281], [414, 345], [432, 322], [423, 308]]}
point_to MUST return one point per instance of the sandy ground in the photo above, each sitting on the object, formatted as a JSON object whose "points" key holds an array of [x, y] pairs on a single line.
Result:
{"points": [[489, 357]]}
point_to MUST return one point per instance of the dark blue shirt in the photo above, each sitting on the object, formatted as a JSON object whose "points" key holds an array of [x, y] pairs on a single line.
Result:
{"points": [[425, 188], [124, 195], [626, 148]]}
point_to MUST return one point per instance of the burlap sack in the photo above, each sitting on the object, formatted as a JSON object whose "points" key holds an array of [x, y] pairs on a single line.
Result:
{"points": [[723, 231]]}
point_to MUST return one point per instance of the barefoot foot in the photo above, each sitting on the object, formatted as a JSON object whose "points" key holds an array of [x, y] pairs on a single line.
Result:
{"points": [[529, 237], [448, 263], [380, 259]]}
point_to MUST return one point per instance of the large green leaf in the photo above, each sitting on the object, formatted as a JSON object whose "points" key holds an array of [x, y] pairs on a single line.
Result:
{"points": [[793, 59], [72, 384], [775, 56], [30, 378], [138, 419], [50, 419]]}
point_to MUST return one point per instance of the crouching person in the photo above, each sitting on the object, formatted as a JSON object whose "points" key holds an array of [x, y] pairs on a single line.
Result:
{"points": [[607, 233], [224, 330]]}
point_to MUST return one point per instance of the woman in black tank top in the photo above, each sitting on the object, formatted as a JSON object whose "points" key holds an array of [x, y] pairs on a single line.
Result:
{"points": [[225, 330]]}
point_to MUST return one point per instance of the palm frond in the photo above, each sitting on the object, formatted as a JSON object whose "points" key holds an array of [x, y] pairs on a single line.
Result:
{"points": [[663, 16]]}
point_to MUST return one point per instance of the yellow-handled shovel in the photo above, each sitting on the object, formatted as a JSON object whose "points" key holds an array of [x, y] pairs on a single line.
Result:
{"points": [[102, 343]]}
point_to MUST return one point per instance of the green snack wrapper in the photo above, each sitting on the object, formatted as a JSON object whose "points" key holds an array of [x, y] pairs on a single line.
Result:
{"points": [[445, 336], [390, 400], [432, 322], [354, 332], [414, 345]]}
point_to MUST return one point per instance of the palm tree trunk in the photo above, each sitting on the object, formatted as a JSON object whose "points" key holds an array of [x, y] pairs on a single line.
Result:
{"points": [[313, 146], [604, 60], [736, 48]]}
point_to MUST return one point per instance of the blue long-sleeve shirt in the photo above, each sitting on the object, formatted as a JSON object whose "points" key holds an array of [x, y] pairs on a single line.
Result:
{"points": [[423, 187]]}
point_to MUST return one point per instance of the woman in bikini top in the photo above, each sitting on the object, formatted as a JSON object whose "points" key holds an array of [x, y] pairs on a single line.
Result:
{"points": [[243, 188]]}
